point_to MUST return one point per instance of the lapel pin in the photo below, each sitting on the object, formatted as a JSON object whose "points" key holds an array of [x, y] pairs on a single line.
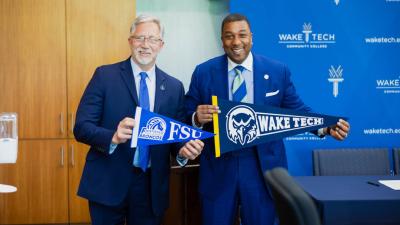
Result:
{"points": [[266, 76], [162, 87]]}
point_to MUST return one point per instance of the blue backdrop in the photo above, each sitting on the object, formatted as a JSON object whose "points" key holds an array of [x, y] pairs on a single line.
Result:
{"points": [[354, 45]]}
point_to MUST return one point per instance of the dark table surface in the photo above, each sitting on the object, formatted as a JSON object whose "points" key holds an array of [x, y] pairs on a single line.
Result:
{"points": [[345, 200]]}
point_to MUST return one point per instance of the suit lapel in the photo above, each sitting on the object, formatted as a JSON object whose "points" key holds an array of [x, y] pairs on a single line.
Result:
{"points": [[159, 98], [261, 85], [261, 81], [219, 75], [127, 76], [160, 89]]}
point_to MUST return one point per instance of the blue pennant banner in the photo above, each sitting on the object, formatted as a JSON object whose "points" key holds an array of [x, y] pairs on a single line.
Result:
{"points": [[154, 129], [240, 125]]}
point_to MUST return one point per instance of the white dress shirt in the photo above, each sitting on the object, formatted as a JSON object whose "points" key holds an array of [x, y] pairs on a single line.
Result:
{"points": [[150, 81]]}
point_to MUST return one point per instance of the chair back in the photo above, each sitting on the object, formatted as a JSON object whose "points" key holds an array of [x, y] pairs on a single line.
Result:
{"points": [[396, 160], [293, 205], [351, 162]]}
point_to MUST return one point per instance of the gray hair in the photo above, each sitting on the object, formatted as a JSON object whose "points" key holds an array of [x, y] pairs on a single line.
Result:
{"points": [[145, 19]]}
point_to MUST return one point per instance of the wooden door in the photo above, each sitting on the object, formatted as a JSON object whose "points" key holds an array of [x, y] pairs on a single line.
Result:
{"points": [[41, 176], [33, 66], [97, 34], [78, 207]]}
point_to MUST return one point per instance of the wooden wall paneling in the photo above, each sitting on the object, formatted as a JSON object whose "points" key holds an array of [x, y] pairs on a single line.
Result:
{"points": [[78, 207], [97, 34], [33, 65], [41, 176]]}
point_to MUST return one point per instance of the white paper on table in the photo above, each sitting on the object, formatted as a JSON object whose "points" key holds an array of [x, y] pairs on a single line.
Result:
{"points": [[393, 184]]}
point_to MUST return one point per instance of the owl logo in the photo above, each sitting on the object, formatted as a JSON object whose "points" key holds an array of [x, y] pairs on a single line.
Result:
{"points": [[241, 125]]}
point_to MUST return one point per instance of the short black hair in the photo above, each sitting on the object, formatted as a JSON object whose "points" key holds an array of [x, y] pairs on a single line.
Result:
{"points": [[234, 17]]}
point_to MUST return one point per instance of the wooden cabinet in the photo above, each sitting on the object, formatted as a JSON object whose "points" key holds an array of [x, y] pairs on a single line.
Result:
{"points": [[78, 207], [47, 176], [32, 66], [41, 176], [97, 34], [184, 207], [49, 50]]}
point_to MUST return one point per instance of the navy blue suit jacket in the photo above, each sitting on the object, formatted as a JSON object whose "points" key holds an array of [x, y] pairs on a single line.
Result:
{"points": [[211, 78], [110, 97]]}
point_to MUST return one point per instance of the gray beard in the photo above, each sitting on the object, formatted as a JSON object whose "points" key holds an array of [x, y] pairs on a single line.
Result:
{"points": [[142, 61]]}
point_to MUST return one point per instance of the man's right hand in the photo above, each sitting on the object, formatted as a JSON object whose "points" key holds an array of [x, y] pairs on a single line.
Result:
{"points": [[204, 114], [124, 131]]}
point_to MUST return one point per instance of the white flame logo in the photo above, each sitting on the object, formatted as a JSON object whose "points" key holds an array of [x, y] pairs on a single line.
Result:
{"points": [[336, 76]]}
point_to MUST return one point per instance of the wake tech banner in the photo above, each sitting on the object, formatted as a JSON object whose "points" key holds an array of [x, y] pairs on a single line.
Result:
{"points": [[240, 125], [154, 129], [343, 57]]}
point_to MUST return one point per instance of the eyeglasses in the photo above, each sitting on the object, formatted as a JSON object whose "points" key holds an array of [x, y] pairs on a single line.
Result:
{"points": [[141, 39]]}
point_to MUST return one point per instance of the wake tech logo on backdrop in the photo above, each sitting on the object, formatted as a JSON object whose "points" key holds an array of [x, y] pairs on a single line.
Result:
{"points": [[336, 2], [389, 86], [335, 77], [307, 38]]}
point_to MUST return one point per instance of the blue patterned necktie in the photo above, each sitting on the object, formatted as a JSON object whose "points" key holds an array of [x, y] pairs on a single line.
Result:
{"points": [[144, 102], [239, 92]]}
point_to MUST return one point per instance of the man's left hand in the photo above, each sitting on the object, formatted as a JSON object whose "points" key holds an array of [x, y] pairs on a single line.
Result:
{"points": [[340, 131], [191, 149]]}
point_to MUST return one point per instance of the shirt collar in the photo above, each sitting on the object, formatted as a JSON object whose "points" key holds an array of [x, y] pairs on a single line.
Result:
{"points": [[136, 71], [247, 63]]}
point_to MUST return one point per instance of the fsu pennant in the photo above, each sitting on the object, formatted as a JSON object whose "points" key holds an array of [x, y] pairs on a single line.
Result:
{"points": [[241, 125], [154, 129]]}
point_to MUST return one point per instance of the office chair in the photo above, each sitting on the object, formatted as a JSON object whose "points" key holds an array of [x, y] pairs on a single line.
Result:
{"points": [[396, 160], [349, 162], [294, 206]]}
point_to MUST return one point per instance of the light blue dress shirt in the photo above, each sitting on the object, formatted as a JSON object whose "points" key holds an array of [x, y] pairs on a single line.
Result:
{"points": [[247, 75]]}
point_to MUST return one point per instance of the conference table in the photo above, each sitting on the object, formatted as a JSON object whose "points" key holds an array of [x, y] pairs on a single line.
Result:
{"points": [[353, 200]]}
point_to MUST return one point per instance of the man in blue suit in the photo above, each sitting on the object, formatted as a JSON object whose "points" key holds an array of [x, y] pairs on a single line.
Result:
{"points": [[125, 185], [236, 178]]}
